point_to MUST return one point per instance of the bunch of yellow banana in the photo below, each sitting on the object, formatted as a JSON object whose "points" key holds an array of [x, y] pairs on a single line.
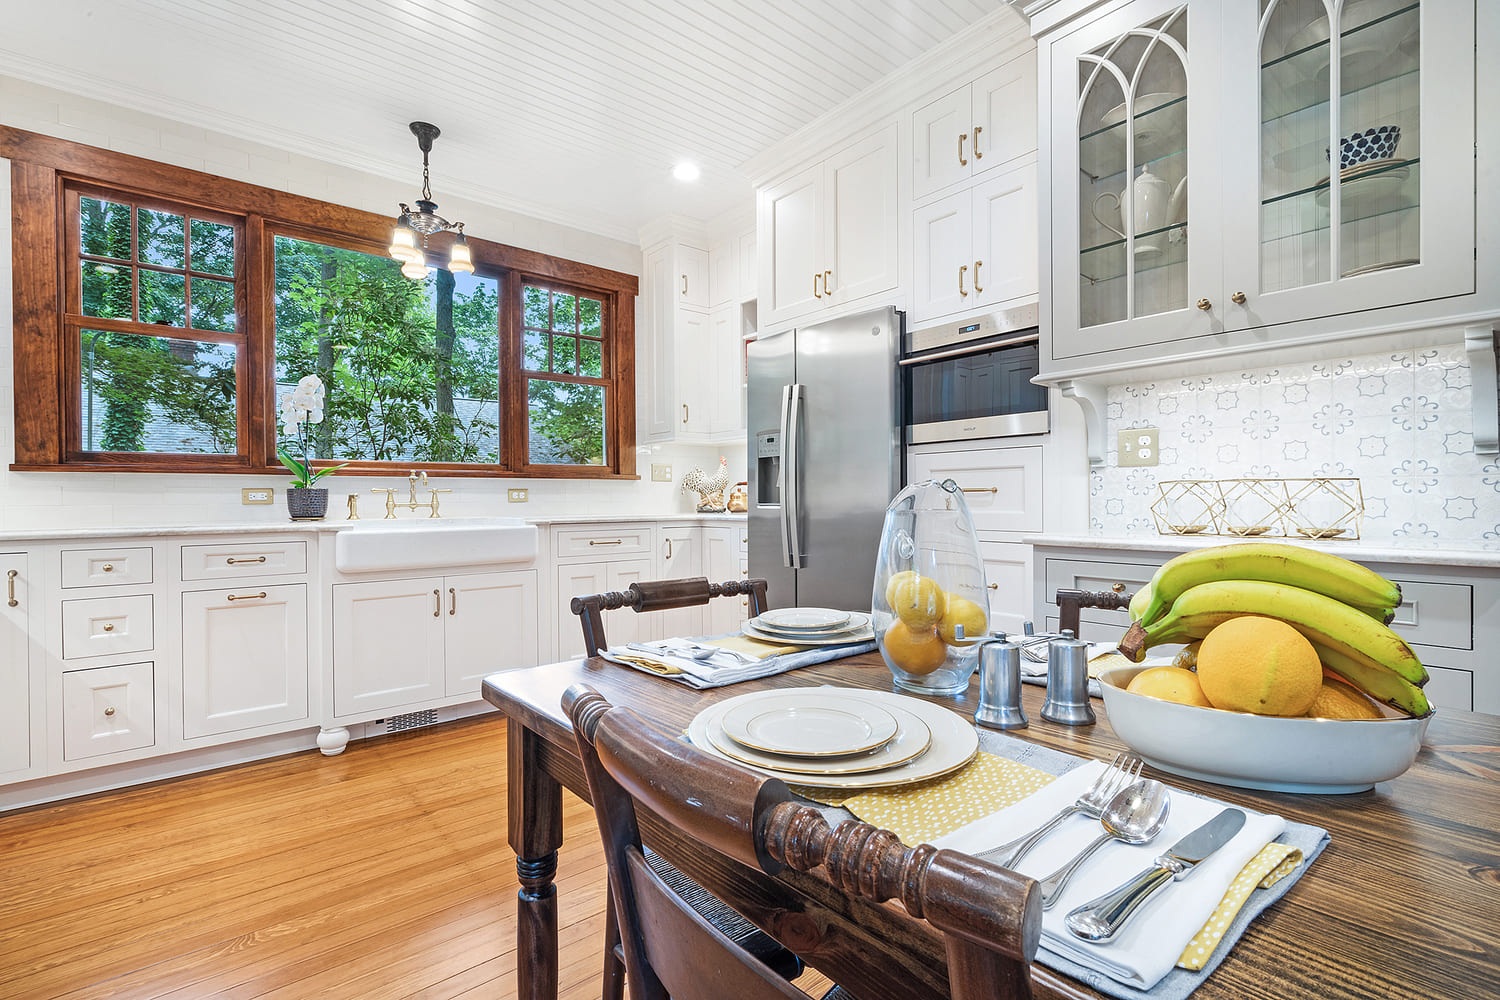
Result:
{"points": [[1340, 606]]}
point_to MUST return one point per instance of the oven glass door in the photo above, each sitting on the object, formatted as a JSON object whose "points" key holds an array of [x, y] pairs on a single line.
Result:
{"points": [[988, 393]]}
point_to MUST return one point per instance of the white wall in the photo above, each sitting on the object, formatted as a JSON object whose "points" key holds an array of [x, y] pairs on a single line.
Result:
{"points": [[45, 500]]}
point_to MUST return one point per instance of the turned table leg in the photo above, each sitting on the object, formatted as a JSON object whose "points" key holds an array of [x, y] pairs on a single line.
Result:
{"points": [[534, 817]]}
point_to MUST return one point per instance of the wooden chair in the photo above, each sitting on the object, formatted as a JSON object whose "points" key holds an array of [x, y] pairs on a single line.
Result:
{"points": [[659, 595], [1069, 602], [990, 918]]}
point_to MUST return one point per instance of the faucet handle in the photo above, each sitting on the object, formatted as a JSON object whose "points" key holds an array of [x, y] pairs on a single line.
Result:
{"points": [[432, 501]]}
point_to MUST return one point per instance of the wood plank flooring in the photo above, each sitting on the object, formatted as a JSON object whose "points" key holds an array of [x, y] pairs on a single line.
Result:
{"points": [[380, 873]]}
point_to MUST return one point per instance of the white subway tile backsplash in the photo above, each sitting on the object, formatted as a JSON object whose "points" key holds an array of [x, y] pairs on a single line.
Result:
{"points": [[1401, 422]]}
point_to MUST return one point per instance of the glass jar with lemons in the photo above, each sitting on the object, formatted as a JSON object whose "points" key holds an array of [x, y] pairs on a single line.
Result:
{"points": [[929, 604]]}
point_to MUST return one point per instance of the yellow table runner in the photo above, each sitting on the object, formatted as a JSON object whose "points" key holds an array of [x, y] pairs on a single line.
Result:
{"points": [[926, 810]]}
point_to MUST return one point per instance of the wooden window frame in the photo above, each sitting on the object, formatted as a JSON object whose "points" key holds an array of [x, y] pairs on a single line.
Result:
{"points": [[47, 422]]}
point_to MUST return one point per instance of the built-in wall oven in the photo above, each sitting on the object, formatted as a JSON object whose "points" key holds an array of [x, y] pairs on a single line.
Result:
{"points": [[972, 379]]}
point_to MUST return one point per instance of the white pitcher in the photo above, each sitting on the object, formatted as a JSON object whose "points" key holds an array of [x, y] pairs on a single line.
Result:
{"points": [[1156, 207]]}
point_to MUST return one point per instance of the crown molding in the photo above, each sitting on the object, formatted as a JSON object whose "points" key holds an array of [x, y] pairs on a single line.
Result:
{"points": [[335, 154], [990, 41], [679, 228], [1049, 15]]}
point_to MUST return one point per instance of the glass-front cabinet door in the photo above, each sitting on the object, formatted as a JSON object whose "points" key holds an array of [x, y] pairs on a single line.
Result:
{"points": [[1355, 185], [1135, 233]]}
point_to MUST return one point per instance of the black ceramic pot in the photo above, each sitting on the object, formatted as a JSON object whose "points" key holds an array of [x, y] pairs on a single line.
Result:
{"points": [[306, 503]]}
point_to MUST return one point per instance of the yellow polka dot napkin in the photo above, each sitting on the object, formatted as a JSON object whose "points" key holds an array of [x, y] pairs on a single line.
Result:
{"points": [[1274, 863]]}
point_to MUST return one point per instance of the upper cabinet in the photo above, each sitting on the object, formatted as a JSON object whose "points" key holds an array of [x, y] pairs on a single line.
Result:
{"points": [[1226, 174], [827, 233], [977, 127]]}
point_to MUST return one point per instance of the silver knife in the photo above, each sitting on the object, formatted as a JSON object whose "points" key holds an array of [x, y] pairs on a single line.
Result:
{"points": [[1101, 919]]}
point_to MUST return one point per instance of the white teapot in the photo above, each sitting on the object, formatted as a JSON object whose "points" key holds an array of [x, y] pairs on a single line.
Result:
{"points": [[1156, 205]]}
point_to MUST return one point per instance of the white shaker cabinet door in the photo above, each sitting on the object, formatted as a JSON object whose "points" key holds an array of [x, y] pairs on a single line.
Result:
{"points": [[387, 644], [694, 387], [490, 624], [681, 552], [860, 251], [790, 237], [942, 233], [244, 658], [941, 137], [1005, 110], [15, 665], [1006, 262], [620, 626]]}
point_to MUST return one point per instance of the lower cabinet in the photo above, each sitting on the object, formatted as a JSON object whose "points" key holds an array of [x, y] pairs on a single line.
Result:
{"points": [[15, 664], [244, 658], [402, 643], [680, 551], [108, 710], [598, 578], [723, 561]]}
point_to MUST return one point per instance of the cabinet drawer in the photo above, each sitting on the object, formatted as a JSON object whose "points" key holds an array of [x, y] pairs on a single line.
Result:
{"points": [[1002, 486], [103, 625], [1436, 614], [105, 567], [603, 542], [1078, 574], [1450, 688], [108, 709], [242, 559]]}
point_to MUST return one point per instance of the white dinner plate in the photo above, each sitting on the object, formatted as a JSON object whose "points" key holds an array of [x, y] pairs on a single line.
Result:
{"points": [[808, 724], [858, 620], [954, 742], [1144, 104], [1367, 181], [910, 742], [862, 634], [803, 619]]}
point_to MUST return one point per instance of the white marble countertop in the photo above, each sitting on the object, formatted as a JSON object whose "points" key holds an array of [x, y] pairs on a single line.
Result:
{"points": [[329, 525], [1358, 550]]}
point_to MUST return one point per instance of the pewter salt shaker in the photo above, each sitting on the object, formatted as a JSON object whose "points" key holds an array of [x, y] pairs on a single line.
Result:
{"points": [[1000, 685], [1067, 699]]}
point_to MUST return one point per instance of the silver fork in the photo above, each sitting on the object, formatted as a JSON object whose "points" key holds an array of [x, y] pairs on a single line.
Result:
{"points": [[1122, 772]]}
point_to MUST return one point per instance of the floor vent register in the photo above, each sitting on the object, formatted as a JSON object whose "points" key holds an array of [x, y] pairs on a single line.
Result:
{"points": [[411, 720]]}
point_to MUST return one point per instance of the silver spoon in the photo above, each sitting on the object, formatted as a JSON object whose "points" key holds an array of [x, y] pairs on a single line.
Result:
{"points": [[1135, 815], [708, 652]]}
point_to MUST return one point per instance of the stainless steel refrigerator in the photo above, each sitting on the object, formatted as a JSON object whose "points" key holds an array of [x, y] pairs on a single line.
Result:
{"points": [[824, 439]]}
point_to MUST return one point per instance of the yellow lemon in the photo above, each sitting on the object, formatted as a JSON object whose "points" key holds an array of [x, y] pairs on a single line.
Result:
{"points": [[963, 623], [915, 651], [917, 600], [1169, 684], [1260, 665], [1337, 700]]}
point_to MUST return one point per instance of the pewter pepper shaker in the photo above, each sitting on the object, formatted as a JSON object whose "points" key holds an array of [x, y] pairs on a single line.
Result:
{"points": [[1000, 685], [1068, 682]]}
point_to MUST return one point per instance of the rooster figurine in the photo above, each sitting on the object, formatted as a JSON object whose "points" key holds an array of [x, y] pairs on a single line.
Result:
{"points": [[710, 491]]}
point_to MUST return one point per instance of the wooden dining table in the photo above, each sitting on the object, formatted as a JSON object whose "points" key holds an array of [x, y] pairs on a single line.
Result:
{"points": [[1404, 902]]}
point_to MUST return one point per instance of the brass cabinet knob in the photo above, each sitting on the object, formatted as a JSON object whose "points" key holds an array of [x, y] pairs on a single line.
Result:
{"points": [[994, 586], [110, 710], [108, 567], [1238, 298], [1205, 305], [109, 627], [1118, 588]]}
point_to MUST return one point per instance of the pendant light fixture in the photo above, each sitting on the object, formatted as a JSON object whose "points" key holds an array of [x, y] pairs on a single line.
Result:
{"points": [[425, 221]]}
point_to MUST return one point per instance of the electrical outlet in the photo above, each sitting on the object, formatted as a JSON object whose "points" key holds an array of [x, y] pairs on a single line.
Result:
{"points": [[661, 473], [517, 496], [256, 494], [1137, 446]]}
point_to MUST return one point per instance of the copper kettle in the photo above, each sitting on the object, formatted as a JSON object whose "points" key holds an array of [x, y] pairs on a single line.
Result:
{"points": [[739, 498]]}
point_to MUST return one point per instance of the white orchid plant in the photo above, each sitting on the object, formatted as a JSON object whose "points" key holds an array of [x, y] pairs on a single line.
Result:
{"points": [[299, 408]]}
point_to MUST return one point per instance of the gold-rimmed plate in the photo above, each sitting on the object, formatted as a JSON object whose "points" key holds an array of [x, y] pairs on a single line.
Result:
{"points": [[909, 743], [808, 724]]}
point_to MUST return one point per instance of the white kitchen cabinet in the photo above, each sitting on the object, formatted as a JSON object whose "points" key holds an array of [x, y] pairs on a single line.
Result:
{"points": [[726, 408], [827, 233], [682, 375], [398, 644], [679, 550], [15, 664], [1002, 486], [1007, 573], [1185, 169], [108, 710], [244, 658], [976, 249], [620, 626], [975, 128], [491, 624], [724, 548], [690, 276]]}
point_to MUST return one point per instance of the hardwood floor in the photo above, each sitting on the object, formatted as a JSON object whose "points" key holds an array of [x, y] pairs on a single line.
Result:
{"points": [[380, 873]]}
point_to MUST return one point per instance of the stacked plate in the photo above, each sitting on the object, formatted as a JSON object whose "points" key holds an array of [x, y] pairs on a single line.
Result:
{"points": [[831, 737], [810, 627]]}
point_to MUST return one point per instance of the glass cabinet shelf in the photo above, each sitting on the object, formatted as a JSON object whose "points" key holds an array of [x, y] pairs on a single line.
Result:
{"points": [[1160, 134], [1373, 54], [1372, 184], [1173, 234]]}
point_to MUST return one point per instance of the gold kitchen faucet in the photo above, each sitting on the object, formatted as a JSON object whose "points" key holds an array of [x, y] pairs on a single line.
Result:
{"points": [[411, 502]]}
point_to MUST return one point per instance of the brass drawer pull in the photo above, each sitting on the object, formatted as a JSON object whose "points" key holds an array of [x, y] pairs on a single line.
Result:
{"points": [[963, 268], [452, 601], [10, 587], [247, 597], [617, 541], [233, 561], [977, 265], [437, 602], [816, 293], [977, 154], [962, 138], [980, 489]]}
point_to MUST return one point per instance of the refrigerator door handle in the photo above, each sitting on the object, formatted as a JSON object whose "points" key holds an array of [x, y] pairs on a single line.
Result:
{"points": [[782, 482], [792, 502]]}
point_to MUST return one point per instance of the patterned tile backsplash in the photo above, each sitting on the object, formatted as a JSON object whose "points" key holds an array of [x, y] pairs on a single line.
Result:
{"points": [[1401, 422]]}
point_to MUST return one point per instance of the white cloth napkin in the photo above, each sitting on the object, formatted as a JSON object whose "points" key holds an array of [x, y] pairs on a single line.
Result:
{"points": [[1150, 944], [724, 667]]}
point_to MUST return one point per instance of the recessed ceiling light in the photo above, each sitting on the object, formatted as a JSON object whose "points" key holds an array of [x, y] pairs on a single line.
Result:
{"points": [[686, 171]]}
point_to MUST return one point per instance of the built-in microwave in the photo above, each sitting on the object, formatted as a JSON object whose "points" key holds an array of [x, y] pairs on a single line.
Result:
{"points": [[972, 379]]}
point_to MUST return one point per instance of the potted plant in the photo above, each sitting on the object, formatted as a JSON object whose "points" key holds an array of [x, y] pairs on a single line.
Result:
{"points": [[299, 408]]}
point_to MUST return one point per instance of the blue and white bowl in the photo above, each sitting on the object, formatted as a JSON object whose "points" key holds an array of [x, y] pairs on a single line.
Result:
{"points": [[1378, 143]]}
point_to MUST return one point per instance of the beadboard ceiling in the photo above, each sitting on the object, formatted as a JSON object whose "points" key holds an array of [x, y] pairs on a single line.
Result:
{"points": [[574, 111]]}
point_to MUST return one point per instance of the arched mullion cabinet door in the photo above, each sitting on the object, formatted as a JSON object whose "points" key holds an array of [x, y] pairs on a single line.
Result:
{"points": [[1364, 168], [1132, 279]]}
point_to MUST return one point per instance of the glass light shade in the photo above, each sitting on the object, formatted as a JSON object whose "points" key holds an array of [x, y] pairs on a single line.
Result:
{"points": [[416, 270], [404, 245], [459, 259]]}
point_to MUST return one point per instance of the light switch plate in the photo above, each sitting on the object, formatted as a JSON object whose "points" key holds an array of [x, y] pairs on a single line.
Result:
{"points": [[1137, 446], [518, 496], [661, 473], [256, 494]]}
